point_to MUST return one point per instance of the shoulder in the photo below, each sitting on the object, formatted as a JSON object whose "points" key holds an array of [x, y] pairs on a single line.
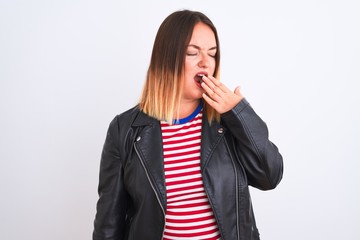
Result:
{"points": [[123, 121], [125, 117], [132, 118]]}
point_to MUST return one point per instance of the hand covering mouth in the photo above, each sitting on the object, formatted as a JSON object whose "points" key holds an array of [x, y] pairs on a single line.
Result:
{"points": [[198, 77]]}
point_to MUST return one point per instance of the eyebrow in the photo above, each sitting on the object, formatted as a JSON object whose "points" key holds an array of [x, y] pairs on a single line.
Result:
{"points": [[197, 47]]}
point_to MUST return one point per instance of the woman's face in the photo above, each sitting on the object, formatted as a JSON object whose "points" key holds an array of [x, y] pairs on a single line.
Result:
{"points": [[199, 60]]}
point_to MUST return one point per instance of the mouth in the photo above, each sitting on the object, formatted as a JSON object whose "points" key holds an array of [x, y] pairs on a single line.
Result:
{"points": [[199, 77]]}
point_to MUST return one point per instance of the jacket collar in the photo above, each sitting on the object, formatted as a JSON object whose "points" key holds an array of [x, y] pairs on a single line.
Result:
{"points": [[143, 119], [149, 145]]}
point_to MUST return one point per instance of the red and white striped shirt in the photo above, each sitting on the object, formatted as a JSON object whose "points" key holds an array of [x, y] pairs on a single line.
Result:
{"points": [[188, 213]]}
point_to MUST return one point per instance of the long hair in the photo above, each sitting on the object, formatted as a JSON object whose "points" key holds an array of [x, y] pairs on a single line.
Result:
{"points": [[163, 87]]}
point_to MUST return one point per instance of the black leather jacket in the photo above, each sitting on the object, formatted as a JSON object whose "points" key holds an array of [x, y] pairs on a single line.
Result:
{"points": [[234, 154]]}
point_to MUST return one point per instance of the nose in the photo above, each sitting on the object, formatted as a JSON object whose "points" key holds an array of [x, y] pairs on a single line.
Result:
{"points": [[204, 60]]}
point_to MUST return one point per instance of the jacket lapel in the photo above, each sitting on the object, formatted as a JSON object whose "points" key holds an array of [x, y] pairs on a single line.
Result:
{"points": [[149, 145], [210, 138]]}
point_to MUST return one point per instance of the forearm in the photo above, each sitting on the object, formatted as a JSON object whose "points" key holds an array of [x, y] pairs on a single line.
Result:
{"points": [[260, 157]]}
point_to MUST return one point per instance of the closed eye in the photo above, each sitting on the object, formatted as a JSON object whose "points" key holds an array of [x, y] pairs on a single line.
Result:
{"points": [[191, 53], [212, 53]]}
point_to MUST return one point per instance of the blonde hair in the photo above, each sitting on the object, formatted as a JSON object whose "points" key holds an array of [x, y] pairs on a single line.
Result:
{"points": [[164, 82]]}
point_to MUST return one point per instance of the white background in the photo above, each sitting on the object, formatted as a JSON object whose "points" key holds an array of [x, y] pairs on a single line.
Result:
{"points": [[68, 67]]}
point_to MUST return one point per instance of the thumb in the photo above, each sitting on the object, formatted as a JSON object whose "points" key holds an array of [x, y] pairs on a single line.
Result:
{"points": [[237, 91]]}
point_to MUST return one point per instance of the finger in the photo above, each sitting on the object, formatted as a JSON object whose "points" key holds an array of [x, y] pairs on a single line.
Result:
{"points": [[237, 91], [209, 100], [210, 91], [219, 84], [208, 82]]}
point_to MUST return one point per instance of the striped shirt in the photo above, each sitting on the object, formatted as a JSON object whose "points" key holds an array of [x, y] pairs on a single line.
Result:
{"points": [[188, 213]]}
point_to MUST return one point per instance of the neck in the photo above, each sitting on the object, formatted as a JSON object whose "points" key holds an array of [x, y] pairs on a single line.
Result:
{"points": [[188, 107]]}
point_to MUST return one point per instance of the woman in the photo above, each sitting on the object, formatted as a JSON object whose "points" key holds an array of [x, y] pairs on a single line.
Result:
{"points": [[178, 165]]}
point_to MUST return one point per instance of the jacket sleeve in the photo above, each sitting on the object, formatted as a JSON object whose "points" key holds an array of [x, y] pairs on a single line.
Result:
{"points": [[260, 158], [111, 208]]}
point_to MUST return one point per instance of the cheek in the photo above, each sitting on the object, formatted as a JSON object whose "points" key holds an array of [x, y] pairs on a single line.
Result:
{"points": [[189, 64], [213, 65], [213, 61], [189, 68], [186, 67]]}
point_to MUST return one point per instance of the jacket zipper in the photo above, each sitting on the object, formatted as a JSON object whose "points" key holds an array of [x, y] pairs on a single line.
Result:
{"points": [[237, 199], [236, 191], [152, 186]]}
